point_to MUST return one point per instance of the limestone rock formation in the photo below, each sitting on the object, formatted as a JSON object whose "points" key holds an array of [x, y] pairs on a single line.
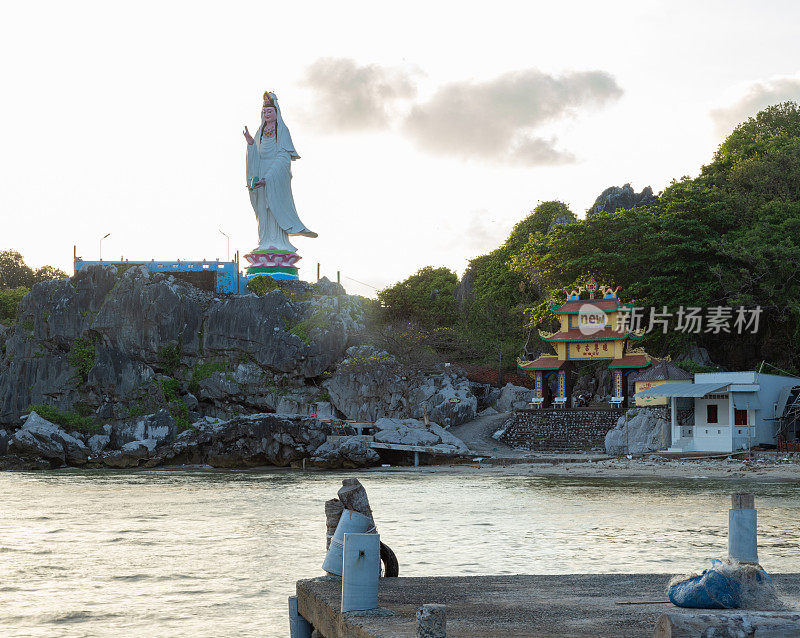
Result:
{"points": [[106, 342], [513, 397], [641, 430], [415, 432], [247, 441], [347, 452], [40, 439], [370, 384], [616, 197], [159, 427]]}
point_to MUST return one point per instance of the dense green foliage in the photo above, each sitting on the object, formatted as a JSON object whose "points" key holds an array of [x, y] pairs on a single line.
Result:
{"points": [[16, 279], [81, 356], [71, 420], [426, 296], [169, 357], [14, 272], [480, 320], [10, 299], [728, 237], [262, 284]]}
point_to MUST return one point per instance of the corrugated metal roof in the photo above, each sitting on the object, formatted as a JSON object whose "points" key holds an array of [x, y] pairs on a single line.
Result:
{"points": [[680, 390]]}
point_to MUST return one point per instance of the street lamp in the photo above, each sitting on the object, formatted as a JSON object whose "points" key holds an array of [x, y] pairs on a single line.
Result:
{"points": [[101, 245], [229, 242]]}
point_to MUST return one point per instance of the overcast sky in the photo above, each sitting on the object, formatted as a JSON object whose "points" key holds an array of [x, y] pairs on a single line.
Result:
{"points": [[426, 130]]}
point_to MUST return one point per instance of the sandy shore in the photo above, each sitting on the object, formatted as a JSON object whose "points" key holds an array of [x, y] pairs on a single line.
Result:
{"points": [[768, 466]]}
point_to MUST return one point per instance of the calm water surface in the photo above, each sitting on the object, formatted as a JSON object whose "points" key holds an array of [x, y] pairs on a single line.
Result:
{"points": [[195, 553]]}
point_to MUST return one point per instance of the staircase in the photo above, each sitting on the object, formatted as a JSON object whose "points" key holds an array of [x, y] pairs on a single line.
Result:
{"points": [[562, 430]]}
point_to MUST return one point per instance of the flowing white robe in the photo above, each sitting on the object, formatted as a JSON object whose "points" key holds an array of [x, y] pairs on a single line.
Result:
{"points": [[270, 159]]}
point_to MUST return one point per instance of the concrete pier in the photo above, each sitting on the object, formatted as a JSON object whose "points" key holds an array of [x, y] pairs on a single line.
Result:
{"points": [[488, 606]]}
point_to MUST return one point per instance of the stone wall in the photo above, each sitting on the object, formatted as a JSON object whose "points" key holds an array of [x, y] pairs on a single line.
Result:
{"points": [[560, 430]]}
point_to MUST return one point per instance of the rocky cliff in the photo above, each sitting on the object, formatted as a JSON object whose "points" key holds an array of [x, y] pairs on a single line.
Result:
{"points": [[114, 346], [116, 357]]}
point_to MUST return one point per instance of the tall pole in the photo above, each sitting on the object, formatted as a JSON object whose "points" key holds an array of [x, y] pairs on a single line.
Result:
{"points": [[228, 258], [101, 245]]}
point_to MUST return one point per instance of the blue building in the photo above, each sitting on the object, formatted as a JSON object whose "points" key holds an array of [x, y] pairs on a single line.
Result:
{"points": [[214, 276]]}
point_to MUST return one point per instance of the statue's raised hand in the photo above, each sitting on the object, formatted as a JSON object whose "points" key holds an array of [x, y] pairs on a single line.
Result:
{"points": [[248, 137]]}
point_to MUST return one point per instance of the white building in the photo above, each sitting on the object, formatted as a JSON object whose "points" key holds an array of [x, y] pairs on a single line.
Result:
{"points": [[725, 411]]}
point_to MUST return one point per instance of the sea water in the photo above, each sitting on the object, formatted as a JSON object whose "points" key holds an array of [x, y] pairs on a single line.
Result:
{"points": [[216, 553]]}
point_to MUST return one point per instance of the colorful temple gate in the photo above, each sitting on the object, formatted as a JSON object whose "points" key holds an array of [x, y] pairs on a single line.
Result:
{"points": [[591, 329]]}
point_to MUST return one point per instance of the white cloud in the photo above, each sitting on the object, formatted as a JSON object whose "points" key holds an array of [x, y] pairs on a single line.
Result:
{"points": [[755, 97], [495, 119], [349, 97]]}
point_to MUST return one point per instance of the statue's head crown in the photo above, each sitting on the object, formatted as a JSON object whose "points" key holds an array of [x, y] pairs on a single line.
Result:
{"points": [[268, 101]]}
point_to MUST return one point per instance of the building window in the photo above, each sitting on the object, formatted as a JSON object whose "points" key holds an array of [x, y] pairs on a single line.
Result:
{"points": [[740, 417], [711, 413]]}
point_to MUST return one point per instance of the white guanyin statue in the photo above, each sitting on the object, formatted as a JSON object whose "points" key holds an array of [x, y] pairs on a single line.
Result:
{"points": [[269, 180]]}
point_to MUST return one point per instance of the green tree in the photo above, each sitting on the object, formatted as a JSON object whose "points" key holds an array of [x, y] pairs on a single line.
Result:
{"points": [[47, 273], [426, 296], [14, 272], [10, 299], [730, 236]]}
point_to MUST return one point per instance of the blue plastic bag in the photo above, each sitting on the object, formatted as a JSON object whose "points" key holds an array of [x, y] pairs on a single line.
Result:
{"points": [[710, 590]]}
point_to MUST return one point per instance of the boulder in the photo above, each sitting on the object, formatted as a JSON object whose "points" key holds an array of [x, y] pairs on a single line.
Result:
{"points": [[644, 430], [347, 452], [415, 432], [246, 441], [98, 443], [3, 441], [448, 399], [513, 397], [130, 455], [40, 439], [404, 432], [159, 426]]}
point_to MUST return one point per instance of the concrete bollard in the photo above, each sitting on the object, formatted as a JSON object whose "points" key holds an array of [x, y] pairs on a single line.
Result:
{"points": [[742, 529], [360, 571], [349, 522], [298, 626], [432, 621]]}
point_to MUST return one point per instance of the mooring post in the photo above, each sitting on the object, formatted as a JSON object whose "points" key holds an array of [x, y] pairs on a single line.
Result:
{"points": [[360, 571], [349, 522], [742, 523], [432, 621], [298, 626]]}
